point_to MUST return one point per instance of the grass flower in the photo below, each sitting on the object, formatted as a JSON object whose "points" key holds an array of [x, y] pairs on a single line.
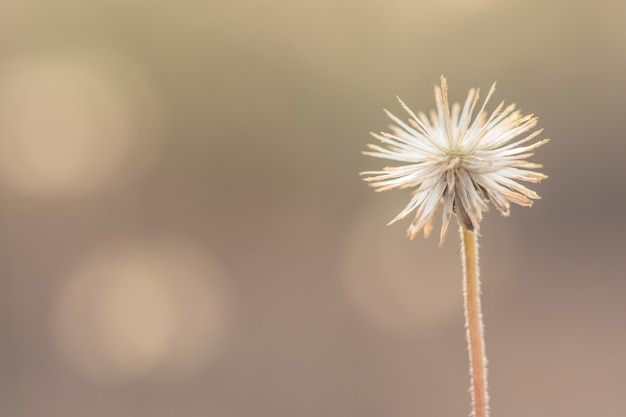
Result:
{"points": [[458, 161], [462, 160]]}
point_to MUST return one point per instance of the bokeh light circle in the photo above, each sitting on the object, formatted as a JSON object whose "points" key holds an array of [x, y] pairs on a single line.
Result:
{"points": [[407, 287], [151, 308], [398, 285], [75, 122]]}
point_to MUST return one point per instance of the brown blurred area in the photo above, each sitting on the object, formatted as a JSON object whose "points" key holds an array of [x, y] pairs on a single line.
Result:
{"points": [[183, 231]]}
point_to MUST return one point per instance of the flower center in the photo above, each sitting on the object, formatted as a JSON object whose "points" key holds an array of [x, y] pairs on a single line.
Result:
{"points": [[454, 159], [455, 153]]}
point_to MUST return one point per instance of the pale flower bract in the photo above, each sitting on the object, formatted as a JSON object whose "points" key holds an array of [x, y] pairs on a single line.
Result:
{"points": [[458, 161]]}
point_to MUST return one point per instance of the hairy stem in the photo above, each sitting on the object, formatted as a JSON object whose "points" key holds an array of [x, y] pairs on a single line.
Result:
{"points": [[474, 323]]}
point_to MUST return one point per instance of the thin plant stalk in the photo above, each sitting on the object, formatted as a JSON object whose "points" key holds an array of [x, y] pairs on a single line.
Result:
{"points": [[474, 323]]}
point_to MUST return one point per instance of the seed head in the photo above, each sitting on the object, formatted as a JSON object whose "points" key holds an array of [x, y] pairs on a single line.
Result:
{"points": [[458, 161]]}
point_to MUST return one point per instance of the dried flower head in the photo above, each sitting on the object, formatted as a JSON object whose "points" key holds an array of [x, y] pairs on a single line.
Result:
{"points": [[457, 160]]}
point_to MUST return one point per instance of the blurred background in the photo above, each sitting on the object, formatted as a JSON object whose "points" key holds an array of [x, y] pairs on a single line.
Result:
{"points": [[183, 231]]}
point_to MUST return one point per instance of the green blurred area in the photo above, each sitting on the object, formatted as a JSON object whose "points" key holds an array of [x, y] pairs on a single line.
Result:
{"points": [[235, 130]]}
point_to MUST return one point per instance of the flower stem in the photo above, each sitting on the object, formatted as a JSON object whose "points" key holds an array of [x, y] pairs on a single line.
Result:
{"points": [[474, 323]]}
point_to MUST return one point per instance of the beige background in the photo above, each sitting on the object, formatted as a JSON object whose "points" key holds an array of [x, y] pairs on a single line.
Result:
{"points": [[183, 231]]}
